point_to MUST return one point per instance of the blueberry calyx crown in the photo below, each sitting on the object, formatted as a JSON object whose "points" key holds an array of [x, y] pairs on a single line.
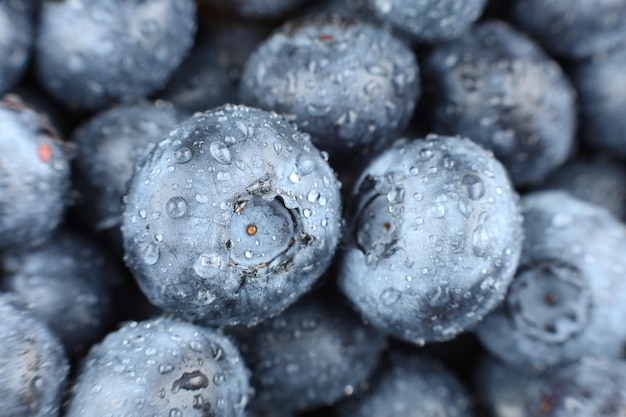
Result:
{"points": [[550, 300], [262, 234]]}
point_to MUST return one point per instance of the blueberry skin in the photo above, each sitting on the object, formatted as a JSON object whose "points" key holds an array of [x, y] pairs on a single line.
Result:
{"points": [[161, 367], [349, 84], [407, 385], [430, 21], [309, 356], [69, 283], [600, 181], [572, 28], [433, 239], [114, 50], [496, 86], [233, 217], [34, 176], [33, 364], [590, 387], [108, 147], [567, 299], [17, 33], [257, 9], [601, 86]]}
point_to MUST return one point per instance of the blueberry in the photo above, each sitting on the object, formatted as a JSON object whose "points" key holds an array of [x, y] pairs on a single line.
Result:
{"points": [[599, 180], [590, 387], [349, 84], [17, 31], [161, 367], [601, 86], [567, 299], [573, 29], [429, 21], [497, 86], [233, 217], [311, 355], [69, 283], [433, 239], [114, 50], [108, 147], [34, 176], [408, 385], [33, 364]]}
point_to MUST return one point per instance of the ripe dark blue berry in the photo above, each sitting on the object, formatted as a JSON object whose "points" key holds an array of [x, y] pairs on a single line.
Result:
{"points": [[567, 299], [232, 218], [313, 354], [161, 367], [34, 176], [108, 148], [433, 239], [113, 50], [497, 86], [69, 283], [347, 83], [33, 364], [409, 385]]}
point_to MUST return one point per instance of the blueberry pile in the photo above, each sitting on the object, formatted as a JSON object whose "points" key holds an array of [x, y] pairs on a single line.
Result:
{"points": [[274, 208]]}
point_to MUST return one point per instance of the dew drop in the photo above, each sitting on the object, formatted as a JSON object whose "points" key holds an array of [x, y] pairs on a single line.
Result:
{"points": [[165, 368], [294, 177], [182, 155], [195, 346], [305, 164], [202, 198], [437, 210], [480, 236], [220, 152], [176, 207], [150, 253], [473, 186], [175, 412], [390, 296], [313, 196], [396, 195], [207, 265], [222, 176]]}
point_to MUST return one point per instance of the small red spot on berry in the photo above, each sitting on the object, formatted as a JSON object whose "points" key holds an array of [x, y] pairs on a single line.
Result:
{"points": [[44, 152], [251, 230], [325, 38]]}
